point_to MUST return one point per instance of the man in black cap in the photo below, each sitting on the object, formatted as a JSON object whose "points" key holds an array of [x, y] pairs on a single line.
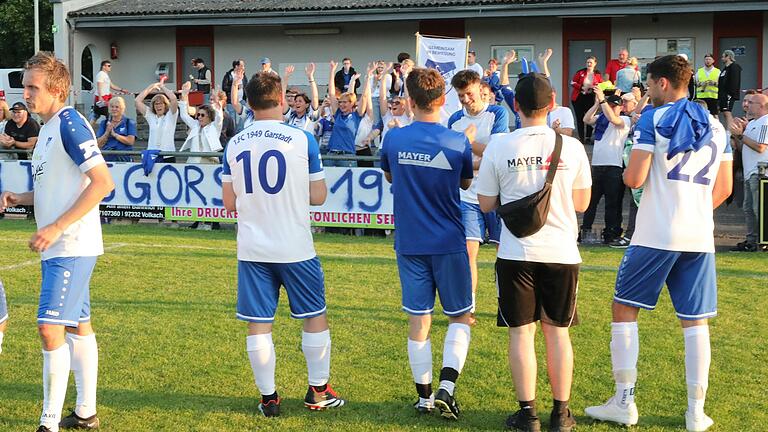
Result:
{"points": [[21, 133], [537, 275], [611, 130]]}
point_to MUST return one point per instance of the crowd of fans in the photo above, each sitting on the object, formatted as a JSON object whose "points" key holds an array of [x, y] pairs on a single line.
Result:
{"points": [[362, 106]]}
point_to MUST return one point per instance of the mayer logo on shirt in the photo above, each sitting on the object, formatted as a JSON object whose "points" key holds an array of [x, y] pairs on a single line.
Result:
{"points": [[439, 161]]}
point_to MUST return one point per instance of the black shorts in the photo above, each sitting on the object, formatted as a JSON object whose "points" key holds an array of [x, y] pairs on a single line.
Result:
{"points": [[725, 103], [101, 111], [531, 291]]}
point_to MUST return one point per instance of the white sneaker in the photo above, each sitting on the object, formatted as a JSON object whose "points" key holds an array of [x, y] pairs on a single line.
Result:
{"points": [[612, 412], [696, 423]]}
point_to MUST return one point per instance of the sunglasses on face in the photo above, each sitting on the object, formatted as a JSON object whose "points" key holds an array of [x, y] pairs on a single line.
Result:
{"points": [[201, 115]]}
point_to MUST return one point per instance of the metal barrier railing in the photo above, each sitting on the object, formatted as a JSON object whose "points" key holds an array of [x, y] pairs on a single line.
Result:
{"points": [[349, 157]]}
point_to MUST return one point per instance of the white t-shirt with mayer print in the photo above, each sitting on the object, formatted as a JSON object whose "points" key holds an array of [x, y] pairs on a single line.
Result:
{"points": [[757, 130], [514, 166], [609, 149]]}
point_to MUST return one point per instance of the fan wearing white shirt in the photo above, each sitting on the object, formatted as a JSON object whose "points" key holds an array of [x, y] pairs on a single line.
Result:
{"points": [[611, 131], [752, 138], [71, 179], [161, 115]]}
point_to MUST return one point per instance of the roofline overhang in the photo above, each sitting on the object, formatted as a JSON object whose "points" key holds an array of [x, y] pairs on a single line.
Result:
{"points": [[562, 10]]}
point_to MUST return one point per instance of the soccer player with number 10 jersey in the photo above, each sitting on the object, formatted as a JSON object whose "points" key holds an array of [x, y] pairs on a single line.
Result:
{"points": [[272, 173]]}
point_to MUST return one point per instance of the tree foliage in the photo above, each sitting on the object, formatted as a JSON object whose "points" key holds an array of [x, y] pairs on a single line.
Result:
{"points": [[17, 30]]}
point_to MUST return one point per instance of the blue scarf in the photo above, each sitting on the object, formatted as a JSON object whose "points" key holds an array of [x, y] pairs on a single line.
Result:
{"points": [[686, 125], [148, 159], [601, 125]]}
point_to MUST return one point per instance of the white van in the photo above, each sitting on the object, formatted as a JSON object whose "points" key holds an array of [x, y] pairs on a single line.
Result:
{"points": [[11, 89]]}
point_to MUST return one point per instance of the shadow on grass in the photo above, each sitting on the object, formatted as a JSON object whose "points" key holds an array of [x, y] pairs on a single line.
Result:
{"points": [[397, 413]]}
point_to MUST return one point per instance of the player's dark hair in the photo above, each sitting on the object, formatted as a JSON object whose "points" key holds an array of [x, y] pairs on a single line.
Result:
{"points": [[464, 79], [673, 68], [105, 62], [425, 86], [264, 91], [402, 56], [750, 92], [485, 84]]}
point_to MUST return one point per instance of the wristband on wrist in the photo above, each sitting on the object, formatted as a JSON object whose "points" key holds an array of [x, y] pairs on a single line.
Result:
{"points": [[602, 101]]}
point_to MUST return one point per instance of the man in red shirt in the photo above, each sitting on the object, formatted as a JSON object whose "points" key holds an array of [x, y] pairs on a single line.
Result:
{"points": [[617, 64]]}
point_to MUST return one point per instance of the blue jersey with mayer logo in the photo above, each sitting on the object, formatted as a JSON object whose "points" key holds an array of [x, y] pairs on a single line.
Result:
{"points": [[427, 162]]}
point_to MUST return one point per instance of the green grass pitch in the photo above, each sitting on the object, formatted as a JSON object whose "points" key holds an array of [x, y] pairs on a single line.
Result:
{"points": [[172, 354]]}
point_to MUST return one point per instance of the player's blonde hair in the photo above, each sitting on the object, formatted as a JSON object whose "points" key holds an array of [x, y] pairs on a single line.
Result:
{"points": [[57, 79]]}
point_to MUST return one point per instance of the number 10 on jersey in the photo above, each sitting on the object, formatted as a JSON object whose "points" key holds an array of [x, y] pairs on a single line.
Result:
{"points": [[264, 161]]}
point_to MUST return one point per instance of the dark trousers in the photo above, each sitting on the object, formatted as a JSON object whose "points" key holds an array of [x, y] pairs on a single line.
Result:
{"points": [[608, 181], [364, 152], [711, 105], [581, 105]]}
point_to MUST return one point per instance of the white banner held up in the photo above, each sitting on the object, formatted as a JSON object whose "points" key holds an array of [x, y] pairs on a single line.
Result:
{"points": [[448, 56]]}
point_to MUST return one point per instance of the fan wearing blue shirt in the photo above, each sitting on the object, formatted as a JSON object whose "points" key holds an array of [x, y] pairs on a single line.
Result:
{"points": [[346, 120], [427, 164]]}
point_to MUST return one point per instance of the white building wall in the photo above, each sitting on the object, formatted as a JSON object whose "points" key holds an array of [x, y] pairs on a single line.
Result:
{"points": [[697, 26], [542, 33], [139, 51]]}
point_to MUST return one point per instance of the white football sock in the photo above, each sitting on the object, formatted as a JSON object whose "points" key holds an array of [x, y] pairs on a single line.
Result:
{"points": [[1, 342], [625, 348], [317, 352], [55, 377], [474, 302], [261, 353], [455, 351], [85, 365], [420, 358], [456, 346], [698, 356]]}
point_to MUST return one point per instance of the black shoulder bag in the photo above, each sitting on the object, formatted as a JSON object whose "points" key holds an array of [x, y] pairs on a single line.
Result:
{"points": [[527, 215]]}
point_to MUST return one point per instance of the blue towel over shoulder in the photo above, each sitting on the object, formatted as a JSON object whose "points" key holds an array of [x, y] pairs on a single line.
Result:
{"points": [[686, 125]]}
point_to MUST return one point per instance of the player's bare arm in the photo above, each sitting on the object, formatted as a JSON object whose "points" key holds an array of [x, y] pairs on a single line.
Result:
{"points": [[317, 192], [723, 184], [228, 196], [101, 184]]}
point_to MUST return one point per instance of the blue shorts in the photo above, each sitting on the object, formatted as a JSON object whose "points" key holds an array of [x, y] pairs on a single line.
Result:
{"points": [[3, 304], [476, 223], [690, 278], [258, 289], [65, 297], [420, 275]]}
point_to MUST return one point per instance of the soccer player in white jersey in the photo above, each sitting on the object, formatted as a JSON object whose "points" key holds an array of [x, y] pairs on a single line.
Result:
{"points": [[70, 178], [685, 165], [481, 120], [272, 173]]}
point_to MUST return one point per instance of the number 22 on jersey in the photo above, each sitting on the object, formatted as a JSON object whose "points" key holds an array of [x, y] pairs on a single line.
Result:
{"points": [[264, 161], [701, 176]]}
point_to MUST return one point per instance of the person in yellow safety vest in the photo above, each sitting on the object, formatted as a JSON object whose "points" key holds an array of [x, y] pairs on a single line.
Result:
{"points": [[706, 83]]}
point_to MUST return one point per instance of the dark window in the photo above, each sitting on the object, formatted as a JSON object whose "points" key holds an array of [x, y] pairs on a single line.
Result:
{"points": [[14, 79]]}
